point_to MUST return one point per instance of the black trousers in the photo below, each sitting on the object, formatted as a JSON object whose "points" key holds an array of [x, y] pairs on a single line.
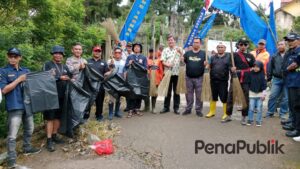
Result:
{"points": [[176, 97], [294, 105], [219, 89], [134, 103], [99, 103], [245, 87]]}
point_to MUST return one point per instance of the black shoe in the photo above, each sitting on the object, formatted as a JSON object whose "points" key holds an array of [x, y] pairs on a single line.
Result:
{"points": [[285, 122], [186, 112], [57, 140], [164, 111], [126, 109], [199, 114], [294, 133], [11, 164], [32, 151], [176, 112], [50, 145], [288, 127]]}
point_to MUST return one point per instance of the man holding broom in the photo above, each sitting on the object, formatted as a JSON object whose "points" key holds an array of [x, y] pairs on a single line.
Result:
{"points": [[219, 75], [243, 63], [171, 61], [195, 64]]}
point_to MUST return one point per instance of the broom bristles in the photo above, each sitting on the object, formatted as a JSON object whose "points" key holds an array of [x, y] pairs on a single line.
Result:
{"points": [[238, 94], [163, 87], [109, 25], [153, 89], [206, 88], [181, 85]]}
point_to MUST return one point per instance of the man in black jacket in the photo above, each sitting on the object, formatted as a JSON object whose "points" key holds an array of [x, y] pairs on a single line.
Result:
{"points": [[278, 87], [243, 63]]}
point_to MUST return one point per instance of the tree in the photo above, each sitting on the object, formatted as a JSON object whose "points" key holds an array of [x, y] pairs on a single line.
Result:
{"points": [[296, 25]]}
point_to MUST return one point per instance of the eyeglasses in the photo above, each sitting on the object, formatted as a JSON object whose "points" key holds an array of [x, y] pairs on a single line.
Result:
{"points": [[243, 44], [13, 56], [97, 51], [118, 52]]}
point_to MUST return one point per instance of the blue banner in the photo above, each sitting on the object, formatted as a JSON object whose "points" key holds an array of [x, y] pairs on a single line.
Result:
{"points": [[251, 23], [134, 20], [195, 28], [207, 26]]}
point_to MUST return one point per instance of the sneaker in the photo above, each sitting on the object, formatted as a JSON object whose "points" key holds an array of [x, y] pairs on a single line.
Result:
{"points": [[50, 145], [258, 124], [243, 121], [226, 119], [249, 123], [32, 151], [57, 140], [199, 114], [296, 139]]}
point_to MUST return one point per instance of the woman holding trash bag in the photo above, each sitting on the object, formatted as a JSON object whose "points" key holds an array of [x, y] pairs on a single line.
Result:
{"points": [[134, 102], [61, 74]]}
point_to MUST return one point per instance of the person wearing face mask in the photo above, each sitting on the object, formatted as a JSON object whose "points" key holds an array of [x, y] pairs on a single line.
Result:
{"points": [[61, 74], [243, 63], [76, 63], [291, 74]]}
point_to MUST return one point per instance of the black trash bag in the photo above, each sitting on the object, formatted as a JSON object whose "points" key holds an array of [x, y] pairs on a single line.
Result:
{"points": [[116, 86], [75, 102], [40, 92], [137, 77]]}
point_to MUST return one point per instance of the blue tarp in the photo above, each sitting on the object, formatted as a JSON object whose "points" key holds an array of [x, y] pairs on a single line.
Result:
{"points": [[251, 23]]}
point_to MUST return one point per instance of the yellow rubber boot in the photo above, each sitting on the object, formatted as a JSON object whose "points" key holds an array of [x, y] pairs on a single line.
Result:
{"points": [[224, 111], [212, 109]]}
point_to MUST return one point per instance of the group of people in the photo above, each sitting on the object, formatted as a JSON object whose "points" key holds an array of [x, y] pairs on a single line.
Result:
{"points": [[253, 70]]}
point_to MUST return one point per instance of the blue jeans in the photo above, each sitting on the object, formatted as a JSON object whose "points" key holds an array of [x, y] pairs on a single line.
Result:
{"points": [[255, 103], [15, 118], [278, 87]]}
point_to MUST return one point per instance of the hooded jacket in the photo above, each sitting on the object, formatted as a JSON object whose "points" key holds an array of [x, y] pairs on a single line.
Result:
{"points": [[258, 82]]}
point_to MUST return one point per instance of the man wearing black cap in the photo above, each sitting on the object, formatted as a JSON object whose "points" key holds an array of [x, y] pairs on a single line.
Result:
{"points": [[61, 74], [243, 63], [11, 78], [98, 64], [291, 73]]}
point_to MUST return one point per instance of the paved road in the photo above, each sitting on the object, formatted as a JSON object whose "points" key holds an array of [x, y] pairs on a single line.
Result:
{"points": [[168, 141]]}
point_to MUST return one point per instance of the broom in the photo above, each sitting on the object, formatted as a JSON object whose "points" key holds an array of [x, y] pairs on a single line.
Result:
{"points": [[206, 88], [153, 88], [163, 87], [238, 94], [181, 85], [109, 25]]}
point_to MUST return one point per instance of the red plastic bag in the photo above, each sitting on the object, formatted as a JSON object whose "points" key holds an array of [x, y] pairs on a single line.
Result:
{"points": [[104, 147]]}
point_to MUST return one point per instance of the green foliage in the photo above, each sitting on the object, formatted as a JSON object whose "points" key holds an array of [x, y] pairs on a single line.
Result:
{"points": [[296, 26]]}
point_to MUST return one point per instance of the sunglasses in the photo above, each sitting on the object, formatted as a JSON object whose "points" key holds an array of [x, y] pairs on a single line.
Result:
{"points": [[290, 40], [13, 56], [118, 52], [97, 51], [243, 44]]}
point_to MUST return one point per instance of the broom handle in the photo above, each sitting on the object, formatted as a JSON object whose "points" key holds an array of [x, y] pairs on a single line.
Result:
{"points": [[206, 49], [231, 52]]}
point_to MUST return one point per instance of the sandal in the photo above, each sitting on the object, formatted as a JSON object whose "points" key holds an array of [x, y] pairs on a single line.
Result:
{"points": [[130, 114]]}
